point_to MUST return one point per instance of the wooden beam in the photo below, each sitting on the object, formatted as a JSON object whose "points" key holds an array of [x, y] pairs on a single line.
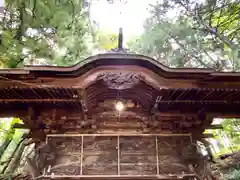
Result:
{"points": [[170, 134], [177, 114], [208, 135], [215, 126], [78, 100], [5, 101], [20, 126], [194, 114], [200, 101], [4, 113], [121, 177]]}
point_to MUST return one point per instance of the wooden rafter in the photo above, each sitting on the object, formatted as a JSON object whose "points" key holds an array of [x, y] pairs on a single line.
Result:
{"points": [[78, 100], [53, 100]]}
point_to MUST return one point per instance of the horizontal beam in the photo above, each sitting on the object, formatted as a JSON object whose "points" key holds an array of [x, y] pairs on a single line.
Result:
{"points": [[194, 114], [214, 126], [200, 101], [122, 177], [20, 126], [208, 135], [79, 100], [6, 101], [120, 134]]}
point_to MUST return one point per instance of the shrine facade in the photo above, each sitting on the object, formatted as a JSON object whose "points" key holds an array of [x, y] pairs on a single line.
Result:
{"points": [[118, 115]]}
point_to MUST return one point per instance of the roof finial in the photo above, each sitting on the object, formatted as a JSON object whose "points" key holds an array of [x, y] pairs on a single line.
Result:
{"points": [[120, 48], [120, 39]]}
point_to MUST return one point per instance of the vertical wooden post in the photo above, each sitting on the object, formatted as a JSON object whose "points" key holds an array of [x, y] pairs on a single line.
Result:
{"points": [[54, 114], [32, 118], [118, 156], [81, 165], [157, 158], [83, 100]]}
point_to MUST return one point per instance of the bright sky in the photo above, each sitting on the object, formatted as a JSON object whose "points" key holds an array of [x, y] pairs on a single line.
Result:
{"points": [[134, 12]]}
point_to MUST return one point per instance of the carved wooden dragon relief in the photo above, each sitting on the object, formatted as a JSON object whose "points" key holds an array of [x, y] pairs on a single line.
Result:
{"points": [[120, 80]]}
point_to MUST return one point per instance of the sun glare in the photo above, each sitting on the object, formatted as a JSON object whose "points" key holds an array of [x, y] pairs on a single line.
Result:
{"points": [[130, 16]]}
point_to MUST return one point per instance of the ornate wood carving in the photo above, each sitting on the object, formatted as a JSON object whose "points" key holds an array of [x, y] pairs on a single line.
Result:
{"points": [[116, 155], [112, 155], [120, 80]]}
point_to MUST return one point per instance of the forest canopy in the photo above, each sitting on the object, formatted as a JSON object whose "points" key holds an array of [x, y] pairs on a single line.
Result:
{"points": [[202, 34], [178, 33]]}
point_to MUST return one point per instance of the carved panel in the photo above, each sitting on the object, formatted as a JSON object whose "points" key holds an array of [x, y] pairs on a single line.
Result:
{"points": [[108, 155], [100, 155], [66, 145], [68, 150], [169, 154], [138, 155], [120, 80]]}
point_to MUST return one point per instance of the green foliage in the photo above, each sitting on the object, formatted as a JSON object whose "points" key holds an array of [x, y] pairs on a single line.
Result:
{"points": [[228, 138], [11, 140], [231, 130], [44, 32], [232, 175], [198, 35], [106, 41]]}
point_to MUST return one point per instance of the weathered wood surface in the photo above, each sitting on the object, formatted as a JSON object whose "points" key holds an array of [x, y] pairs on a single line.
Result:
{"points": [[61, 121], [117, 155]]}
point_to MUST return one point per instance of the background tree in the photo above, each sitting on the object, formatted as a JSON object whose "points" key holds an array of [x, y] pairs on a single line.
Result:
{"points": [[106, 40], [44, 32], [184, 33], [12, 146]]}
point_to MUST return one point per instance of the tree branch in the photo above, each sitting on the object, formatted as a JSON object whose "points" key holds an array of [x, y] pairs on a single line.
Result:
{"points": [[182, 46], [220, 14], [20, 30], [34, 8]]}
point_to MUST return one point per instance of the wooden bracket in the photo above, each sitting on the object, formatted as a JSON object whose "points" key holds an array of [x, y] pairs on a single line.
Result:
{"points": [[88, 122], [83, 100], [30, 121], [155, 106]]}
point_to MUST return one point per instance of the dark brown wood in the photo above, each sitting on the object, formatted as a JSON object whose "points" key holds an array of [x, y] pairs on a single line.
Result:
{"points": [[82, 98], [208, 135], [215, 126], [20, 126], [160, 177], [5, 101]]}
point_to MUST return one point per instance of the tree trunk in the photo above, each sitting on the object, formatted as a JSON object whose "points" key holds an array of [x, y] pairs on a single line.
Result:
{"points": [[16, 160], [32, 168], [12, 156], [4, 146]]}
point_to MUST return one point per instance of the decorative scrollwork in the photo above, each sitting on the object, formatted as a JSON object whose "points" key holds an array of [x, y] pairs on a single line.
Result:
{"points": [[120, 80]]}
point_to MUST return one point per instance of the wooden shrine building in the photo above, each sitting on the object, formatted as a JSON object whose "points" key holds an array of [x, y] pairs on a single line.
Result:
{"points": [[117, 116]]}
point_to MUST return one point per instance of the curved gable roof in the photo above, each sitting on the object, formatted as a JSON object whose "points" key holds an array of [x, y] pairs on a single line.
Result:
{"points": [[123, 60], [110, 59]]}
